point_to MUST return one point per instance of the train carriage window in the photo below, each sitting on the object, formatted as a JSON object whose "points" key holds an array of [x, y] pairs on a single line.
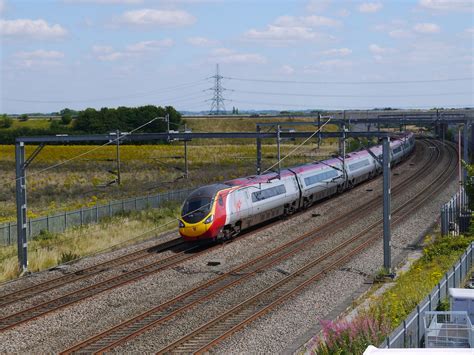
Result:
{"points": [[326, 175], [267, 193], [359, 164]]}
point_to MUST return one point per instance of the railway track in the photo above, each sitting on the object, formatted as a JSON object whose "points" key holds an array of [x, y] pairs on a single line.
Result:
{"points": [[57, 303], [57, 282], [125, 331], [210, 334]]}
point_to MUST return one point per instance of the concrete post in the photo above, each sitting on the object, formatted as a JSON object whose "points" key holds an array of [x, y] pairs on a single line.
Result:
{"points": [[21, 212], [387, 258], [259, 152]]}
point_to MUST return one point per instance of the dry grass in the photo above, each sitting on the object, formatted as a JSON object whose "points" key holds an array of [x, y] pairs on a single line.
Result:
{"points": [[48, 250], [145, 169]]}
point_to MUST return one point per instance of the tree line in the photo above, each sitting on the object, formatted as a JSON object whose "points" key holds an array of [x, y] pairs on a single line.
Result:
{"points": [[105, 120]]}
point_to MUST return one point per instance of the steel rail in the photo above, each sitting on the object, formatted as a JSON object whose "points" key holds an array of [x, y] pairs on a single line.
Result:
{"points": [[88, 272], [220, 328], [126, 330], [82, 274]]}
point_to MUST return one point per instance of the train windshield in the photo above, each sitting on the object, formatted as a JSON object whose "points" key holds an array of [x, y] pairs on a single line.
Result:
{"points": [[199, 203]]}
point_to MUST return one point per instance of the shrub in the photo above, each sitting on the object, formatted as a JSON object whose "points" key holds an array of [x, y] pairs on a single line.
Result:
{"points": [[66, 119], [24, 117], [67, 256], [6, 122]]}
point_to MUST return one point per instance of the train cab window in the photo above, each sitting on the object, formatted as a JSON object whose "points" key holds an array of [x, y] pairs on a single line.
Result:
{"points": [[326, 175], [359, 164], [220, 200], [198, 205], [397, 150], [267, 193]]}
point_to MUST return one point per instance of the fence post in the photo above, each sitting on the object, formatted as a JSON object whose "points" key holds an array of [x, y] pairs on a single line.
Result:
{"points": [[65, 220], [81, 214], [96, 213], [404, 333], [47, 223], [429, 306], [123, 206], [418, 333], [454, 276], [388, 341], [447, 285], [110, 209], [135, 204], [9, 233]]}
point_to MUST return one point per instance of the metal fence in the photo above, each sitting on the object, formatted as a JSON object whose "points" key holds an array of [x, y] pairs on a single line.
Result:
{"points": [[60, 222], [410, 334], [455, 215]]}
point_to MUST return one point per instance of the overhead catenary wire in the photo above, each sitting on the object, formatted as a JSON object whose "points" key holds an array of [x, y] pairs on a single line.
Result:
{"points": [[298, 146], [87, 152], [348, 96]]}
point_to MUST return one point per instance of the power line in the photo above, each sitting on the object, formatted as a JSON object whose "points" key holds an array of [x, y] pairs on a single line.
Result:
{"points": [[276, 104], [350, 82], [349, 96]]}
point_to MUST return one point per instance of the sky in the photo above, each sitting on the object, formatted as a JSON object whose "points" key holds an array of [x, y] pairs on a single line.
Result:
{"points": [[272, 54]]}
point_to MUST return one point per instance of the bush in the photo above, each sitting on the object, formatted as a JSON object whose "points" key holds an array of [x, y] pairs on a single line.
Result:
{"points": [[67, 256], [5, 121], [24, 117], [66, 119]]}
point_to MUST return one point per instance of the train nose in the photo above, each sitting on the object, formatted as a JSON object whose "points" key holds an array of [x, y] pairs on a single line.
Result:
{"points": [[195, 230]]}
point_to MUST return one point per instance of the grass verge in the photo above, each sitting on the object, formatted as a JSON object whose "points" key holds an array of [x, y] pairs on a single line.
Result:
{"points": [[48, 249], [387, 310]]}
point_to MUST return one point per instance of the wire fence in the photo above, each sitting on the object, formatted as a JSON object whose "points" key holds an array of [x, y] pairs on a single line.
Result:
{"points": [[456, 215], [410, 334], [58, 223]]}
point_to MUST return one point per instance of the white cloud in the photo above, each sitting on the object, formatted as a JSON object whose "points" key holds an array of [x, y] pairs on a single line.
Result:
{"points": [[317, 5], [151, 17], [149, 45], [377, 50], [201, 41], [106, 2], [399, 33], [469, 30], [229, 56], [306, 21], [287, 69], [327, 65], [370, 7], [448, 5], [38, 58], [2, 6], [39, 29], [341, 52], [40, 54], [108, 53], [426, 28], [277, 35], [343, 13]]}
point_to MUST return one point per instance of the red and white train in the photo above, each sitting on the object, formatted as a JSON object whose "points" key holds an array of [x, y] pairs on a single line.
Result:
{"points": [[223, 210]]}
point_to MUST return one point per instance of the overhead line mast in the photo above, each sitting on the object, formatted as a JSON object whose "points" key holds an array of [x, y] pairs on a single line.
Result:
{"points": [[217, 101]]}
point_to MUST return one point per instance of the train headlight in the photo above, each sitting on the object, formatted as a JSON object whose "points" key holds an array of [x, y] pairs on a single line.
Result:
{"points": [[209, 219], [181, 224]]}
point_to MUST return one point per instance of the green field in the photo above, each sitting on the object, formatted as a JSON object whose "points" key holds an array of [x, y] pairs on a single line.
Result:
{"points": [[146, 169]]}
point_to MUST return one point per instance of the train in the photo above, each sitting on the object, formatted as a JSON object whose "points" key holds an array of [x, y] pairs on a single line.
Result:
{"points": [[222, 211]]}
